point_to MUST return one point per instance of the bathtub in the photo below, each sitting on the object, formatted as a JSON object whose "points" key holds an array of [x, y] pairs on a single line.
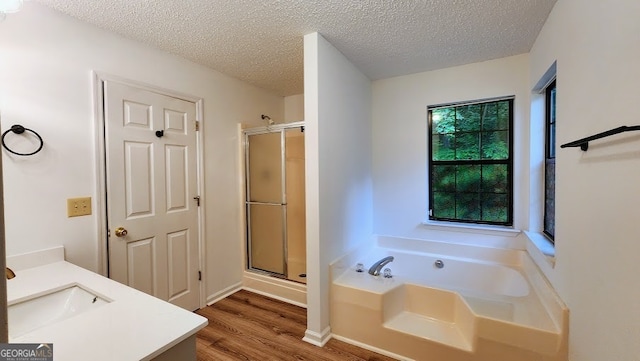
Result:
{"points": [[469, 276], [467, 309]]}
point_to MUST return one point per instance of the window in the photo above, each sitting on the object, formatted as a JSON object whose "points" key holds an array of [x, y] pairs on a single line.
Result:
{"points": [[550, 162], [471, 162]]}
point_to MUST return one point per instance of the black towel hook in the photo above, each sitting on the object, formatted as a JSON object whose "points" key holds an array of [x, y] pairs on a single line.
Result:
{"points": [[19, 129]]}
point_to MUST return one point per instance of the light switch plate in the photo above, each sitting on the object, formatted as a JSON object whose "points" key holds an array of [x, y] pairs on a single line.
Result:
{"points": [[78, 207]]}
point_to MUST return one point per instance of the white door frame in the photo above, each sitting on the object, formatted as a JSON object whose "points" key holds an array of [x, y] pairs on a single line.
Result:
{"points": [[101, 187]]}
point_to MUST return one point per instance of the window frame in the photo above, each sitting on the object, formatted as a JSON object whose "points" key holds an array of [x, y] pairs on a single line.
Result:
{"points": [[550, 155], [508, 162]]}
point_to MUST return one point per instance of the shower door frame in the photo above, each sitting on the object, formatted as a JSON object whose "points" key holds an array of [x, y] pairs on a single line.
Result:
{"points": [[276, 128]]}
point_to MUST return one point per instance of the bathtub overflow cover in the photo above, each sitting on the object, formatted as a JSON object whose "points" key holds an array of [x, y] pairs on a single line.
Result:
{"points": [[439, 263]]}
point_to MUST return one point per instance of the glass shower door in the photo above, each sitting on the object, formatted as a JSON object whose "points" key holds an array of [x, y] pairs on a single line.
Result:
{"points": [[266, 204], [296, 205]]}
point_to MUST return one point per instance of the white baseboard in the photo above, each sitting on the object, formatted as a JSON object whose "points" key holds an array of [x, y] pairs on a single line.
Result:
{"points": [[371, 348], [317, 339], [211, 299]]}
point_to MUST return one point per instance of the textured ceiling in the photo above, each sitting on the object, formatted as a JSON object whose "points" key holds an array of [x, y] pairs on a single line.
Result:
{"points": [[261, 42]]}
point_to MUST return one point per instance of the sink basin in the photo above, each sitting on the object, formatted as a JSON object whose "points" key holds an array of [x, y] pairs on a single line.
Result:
{"points": [[50, 308]]}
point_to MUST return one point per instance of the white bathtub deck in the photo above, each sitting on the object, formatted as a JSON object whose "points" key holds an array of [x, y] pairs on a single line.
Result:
{"points": [[429, 328]]}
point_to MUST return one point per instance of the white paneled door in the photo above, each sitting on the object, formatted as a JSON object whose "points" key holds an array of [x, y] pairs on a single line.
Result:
{"points": [[152, 193]]}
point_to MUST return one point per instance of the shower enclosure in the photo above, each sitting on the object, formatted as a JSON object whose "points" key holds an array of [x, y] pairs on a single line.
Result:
{"points": [[275, 200]]}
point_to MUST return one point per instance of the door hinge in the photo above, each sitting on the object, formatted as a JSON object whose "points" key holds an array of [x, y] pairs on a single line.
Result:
{"points": [[199, 275], [197, 125], [197, 199]]}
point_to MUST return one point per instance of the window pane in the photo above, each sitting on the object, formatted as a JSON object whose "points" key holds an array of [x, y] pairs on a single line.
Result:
{"points": [[494, 178], [444, 178], [495, 207], [468, 145], [495, 145], [552, 141], [490, 117], [550, 197], [468, 207], [504, 114], [468, 118], [443, 121], [468, 178], [552, 106], [444, 205], [443, 146]]}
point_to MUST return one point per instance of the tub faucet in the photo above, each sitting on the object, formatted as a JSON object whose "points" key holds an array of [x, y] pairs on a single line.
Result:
{"points": [[9, 273], [375, 269]]}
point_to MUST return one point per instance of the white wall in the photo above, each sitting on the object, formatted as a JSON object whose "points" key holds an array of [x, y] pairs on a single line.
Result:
{"points": [[45, 84], [596, 45], [400, 187], [339, 168], [293, 108]]}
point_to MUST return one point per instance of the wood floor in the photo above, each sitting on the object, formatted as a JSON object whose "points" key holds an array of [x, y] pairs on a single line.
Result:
{"points": [[248, 326]]}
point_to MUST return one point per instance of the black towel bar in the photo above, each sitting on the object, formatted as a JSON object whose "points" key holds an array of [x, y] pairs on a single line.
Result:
{"points": [[584, 142]]}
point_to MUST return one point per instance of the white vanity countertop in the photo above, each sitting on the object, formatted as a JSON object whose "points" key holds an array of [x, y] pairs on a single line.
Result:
{"points": [[133, 326]]}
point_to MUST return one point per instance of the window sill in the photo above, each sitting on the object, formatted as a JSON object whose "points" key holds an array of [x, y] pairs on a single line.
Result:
{"points": [[472, 228], [542, 243]]}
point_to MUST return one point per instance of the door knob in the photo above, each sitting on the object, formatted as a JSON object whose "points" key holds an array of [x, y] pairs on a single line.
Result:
{"points": [[121, 232]]}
